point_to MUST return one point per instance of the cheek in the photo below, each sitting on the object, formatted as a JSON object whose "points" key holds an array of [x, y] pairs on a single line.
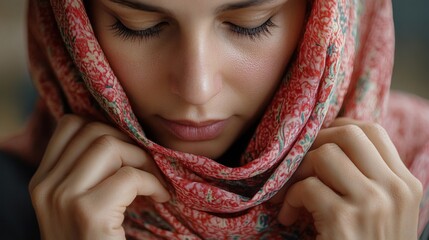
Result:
{"points": [[136, 68], [257, 75], [133, 64], [259, 69]]}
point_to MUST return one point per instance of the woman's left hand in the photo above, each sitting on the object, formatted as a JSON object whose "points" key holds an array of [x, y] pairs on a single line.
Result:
{"points": [[355, 185]]}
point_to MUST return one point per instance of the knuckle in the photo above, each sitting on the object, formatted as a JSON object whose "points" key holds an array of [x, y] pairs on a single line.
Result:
{"points": [[309, 184], [377, 201], [351, 131], [70, 119], [322, 156], [129, 173], [375, 128], [328, 148], [417, 188], [105, 141], [398, 189], [38, 194], [375, 192], [32, 184], [95, 128], [60, 198], [409, 192], [94, 125]]}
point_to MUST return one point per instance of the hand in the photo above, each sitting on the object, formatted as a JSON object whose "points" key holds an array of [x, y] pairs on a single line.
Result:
{"points": [[355, 186], [89, 174]]}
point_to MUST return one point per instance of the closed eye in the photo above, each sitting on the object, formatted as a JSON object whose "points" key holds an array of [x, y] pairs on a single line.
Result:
{"points": [[128, 34], [252, 33]]}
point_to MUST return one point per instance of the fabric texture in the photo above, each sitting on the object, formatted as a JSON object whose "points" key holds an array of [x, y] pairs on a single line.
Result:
{"points": [[342, 67]]}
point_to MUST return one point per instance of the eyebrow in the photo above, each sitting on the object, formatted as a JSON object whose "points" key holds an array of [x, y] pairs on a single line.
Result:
{"points": [[140, 6], [227, 7], [240, 5]]}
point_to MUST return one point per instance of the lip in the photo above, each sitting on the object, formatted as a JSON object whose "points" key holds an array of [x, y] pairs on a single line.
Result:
{"points": [[188, 130]]}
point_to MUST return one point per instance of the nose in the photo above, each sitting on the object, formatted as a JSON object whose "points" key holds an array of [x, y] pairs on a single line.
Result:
{"points": [[196, 79]]}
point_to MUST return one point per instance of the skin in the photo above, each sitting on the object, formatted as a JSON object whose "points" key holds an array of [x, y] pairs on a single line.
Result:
{"points": [[214, 73], [352, 182]]}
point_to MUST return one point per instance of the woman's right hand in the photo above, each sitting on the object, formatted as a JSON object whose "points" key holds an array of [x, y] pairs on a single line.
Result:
{"points": [[88, 176]]}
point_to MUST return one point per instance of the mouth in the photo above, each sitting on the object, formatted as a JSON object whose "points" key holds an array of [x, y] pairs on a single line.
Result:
{"points": [[192, 131]]}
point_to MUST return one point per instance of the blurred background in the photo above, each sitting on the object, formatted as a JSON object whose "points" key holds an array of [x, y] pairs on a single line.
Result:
{"points": [[411, 73]]}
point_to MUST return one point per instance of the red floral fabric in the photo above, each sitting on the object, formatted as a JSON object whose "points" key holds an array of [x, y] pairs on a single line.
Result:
{"points": [[343, 67]]}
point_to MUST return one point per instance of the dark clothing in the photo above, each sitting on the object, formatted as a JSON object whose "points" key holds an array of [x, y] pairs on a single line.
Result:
{"points": [[17, 218]]}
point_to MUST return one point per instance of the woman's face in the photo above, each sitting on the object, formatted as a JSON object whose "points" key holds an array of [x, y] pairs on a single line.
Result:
{"points": [[198, 73]]}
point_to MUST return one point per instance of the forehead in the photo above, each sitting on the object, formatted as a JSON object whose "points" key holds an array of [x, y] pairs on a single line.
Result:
{"points": [[168, 6]]}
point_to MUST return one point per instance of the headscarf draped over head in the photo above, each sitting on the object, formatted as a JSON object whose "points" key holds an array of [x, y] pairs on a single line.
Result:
{"points": [[342, 67]]}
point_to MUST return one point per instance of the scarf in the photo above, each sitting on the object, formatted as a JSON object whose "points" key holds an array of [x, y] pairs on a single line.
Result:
{"points": [[342, 67]]}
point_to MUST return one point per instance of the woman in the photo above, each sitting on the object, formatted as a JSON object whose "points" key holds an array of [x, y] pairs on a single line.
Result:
{"points": [[190, 119]]}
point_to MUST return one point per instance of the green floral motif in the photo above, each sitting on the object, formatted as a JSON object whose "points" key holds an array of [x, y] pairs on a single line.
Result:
{"points": [[262, 222], [209, 196], [132, 128], [343, 17], [364, 86]]}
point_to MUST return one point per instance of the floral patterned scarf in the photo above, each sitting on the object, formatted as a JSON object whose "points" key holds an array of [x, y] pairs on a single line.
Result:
{"points": [[343, 67]]}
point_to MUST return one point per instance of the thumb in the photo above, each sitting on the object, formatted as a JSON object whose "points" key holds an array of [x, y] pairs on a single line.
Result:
{"points": [[288, 214], [310, 194]]}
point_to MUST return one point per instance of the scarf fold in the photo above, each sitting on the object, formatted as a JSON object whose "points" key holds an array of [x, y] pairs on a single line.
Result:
{"points": [[342, 67]]}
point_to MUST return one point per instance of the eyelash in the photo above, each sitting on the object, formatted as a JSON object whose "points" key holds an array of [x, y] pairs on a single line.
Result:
{"points": [[253, 33], [127, 34]]}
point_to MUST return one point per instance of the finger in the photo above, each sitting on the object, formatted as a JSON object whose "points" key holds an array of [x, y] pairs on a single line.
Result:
{"points": [[381, 140], [102, 208], [103, 158], [66, 129], [121, 189], [333, 167], [311, 194], [357, 146], [77, 145]]}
